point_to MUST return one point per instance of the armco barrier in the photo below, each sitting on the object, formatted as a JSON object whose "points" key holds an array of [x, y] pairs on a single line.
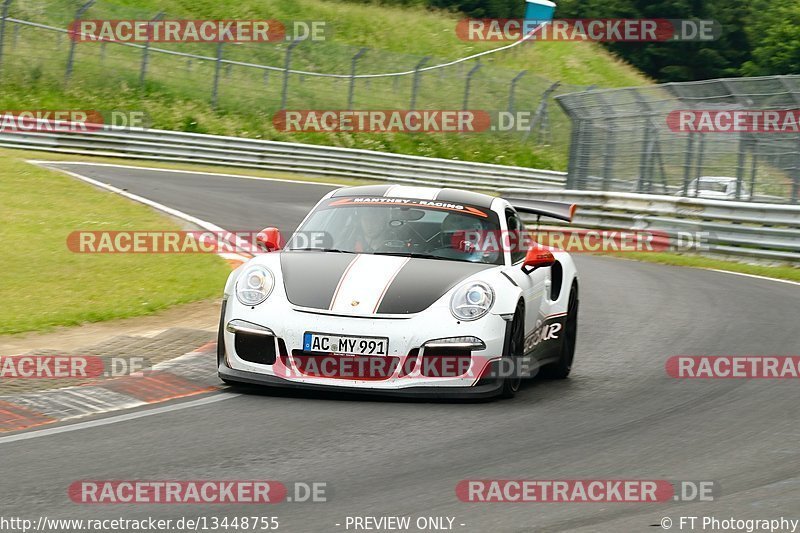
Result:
{"points": [[287, 157], [762, 231], [746, 229]]}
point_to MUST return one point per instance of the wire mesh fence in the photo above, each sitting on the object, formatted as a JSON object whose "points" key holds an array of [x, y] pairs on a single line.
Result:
{"points": [[683, 139], [619, 139], [35, 45]]}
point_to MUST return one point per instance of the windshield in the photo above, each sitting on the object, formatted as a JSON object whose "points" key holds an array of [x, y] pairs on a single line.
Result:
{"points": [[397, 226]]}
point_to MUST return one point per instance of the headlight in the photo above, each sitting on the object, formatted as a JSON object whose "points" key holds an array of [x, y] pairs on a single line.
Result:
{"points": [[254, 285], [471, 301]]}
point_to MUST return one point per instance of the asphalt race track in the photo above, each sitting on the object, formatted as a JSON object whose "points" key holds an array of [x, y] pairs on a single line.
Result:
{"points": [[619, 417]]}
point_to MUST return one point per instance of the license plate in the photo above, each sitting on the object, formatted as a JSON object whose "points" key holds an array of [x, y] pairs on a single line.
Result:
{"points": [[345, 344]]}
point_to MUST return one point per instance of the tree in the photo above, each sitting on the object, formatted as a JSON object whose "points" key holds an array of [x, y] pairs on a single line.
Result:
{"points": [[775, 34]]}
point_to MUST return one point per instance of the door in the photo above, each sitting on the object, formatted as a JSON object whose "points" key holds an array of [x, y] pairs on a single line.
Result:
{"points": [[533, 285]]}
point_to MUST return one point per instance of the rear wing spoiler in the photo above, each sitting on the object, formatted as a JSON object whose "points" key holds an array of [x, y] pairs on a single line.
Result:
{"points": [[544, 208]]}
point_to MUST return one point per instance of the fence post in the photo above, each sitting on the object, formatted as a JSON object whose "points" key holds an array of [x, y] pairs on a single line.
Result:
{"points": [[687, 165], [286, 66], [74, 40], [415, 82], [796, 174], [701, 154], [217, 67], [544, 114], [353, 63], [753, 169], [649, 144], [146, 49], [541, 114], [513, 89], [468, 83], [740, 162], [3, 17], [574, 180], [609, 157]]}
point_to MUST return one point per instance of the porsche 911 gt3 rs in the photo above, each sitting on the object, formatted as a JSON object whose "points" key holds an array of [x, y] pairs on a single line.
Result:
{"points": [[403, 290]]}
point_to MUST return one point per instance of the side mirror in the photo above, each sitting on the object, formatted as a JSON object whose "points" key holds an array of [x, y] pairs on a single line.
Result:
{"points": [[537, 257], [269, 239]]}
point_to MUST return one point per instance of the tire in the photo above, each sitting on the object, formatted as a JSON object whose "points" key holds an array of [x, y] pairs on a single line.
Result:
{"points": [[220, 336], [221, 348], [562, 368], [515, 343]]}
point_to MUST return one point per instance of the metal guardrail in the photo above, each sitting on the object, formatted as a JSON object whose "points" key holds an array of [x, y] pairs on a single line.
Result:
{"points": [[746, 229], [183, 147], [760, 231]]}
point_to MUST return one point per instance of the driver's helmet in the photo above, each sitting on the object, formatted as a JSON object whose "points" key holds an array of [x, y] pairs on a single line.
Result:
{"points": [[461, 232]]}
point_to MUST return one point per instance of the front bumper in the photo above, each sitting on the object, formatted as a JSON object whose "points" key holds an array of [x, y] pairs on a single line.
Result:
{"points": [[488, 388], [407, 337]]}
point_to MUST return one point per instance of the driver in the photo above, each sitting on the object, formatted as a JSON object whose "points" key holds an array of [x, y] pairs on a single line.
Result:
{"points": [[372, 225], [461, 235]]}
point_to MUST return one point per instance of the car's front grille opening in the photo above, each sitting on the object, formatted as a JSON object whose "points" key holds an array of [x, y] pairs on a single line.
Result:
{"points": [[255, 348]]}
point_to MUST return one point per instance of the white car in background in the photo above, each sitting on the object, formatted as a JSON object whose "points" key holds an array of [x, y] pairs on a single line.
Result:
{"points": [[396, 287], [717, 187]]}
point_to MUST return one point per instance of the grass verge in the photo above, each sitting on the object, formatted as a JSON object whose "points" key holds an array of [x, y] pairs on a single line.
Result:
{"points": [[45, 285], [176, 93], [779, 272]]}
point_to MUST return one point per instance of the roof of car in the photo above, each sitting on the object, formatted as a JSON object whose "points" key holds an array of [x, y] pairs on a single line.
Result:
{"points": [[419, 193], [716, 178]]}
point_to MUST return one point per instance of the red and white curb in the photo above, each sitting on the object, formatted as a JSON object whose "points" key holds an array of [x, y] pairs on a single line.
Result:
{"points": [[188, 375]]}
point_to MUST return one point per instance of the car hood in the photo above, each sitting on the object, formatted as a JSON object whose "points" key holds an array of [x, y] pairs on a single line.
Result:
{"points": [[366, 284]]}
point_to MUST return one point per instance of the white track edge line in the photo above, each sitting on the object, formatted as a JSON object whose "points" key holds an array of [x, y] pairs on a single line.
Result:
{"points": [[790, 282], [208, 226], [157, 169], [117, 418]]}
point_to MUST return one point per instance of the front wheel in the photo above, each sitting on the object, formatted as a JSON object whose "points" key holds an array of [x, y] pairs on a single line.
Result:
{"points": [[561, 368], [515, 343]]}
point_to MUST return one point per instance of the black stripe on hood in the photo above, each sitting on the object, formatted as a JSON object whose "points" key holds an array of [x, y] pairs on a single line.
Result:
{"points": [[311, 278], [423, 281]]}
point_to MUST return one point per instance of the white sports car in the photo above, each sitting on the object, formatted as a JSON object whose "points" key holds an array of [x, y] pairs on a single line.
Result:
{"points": [[395, 289]]}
